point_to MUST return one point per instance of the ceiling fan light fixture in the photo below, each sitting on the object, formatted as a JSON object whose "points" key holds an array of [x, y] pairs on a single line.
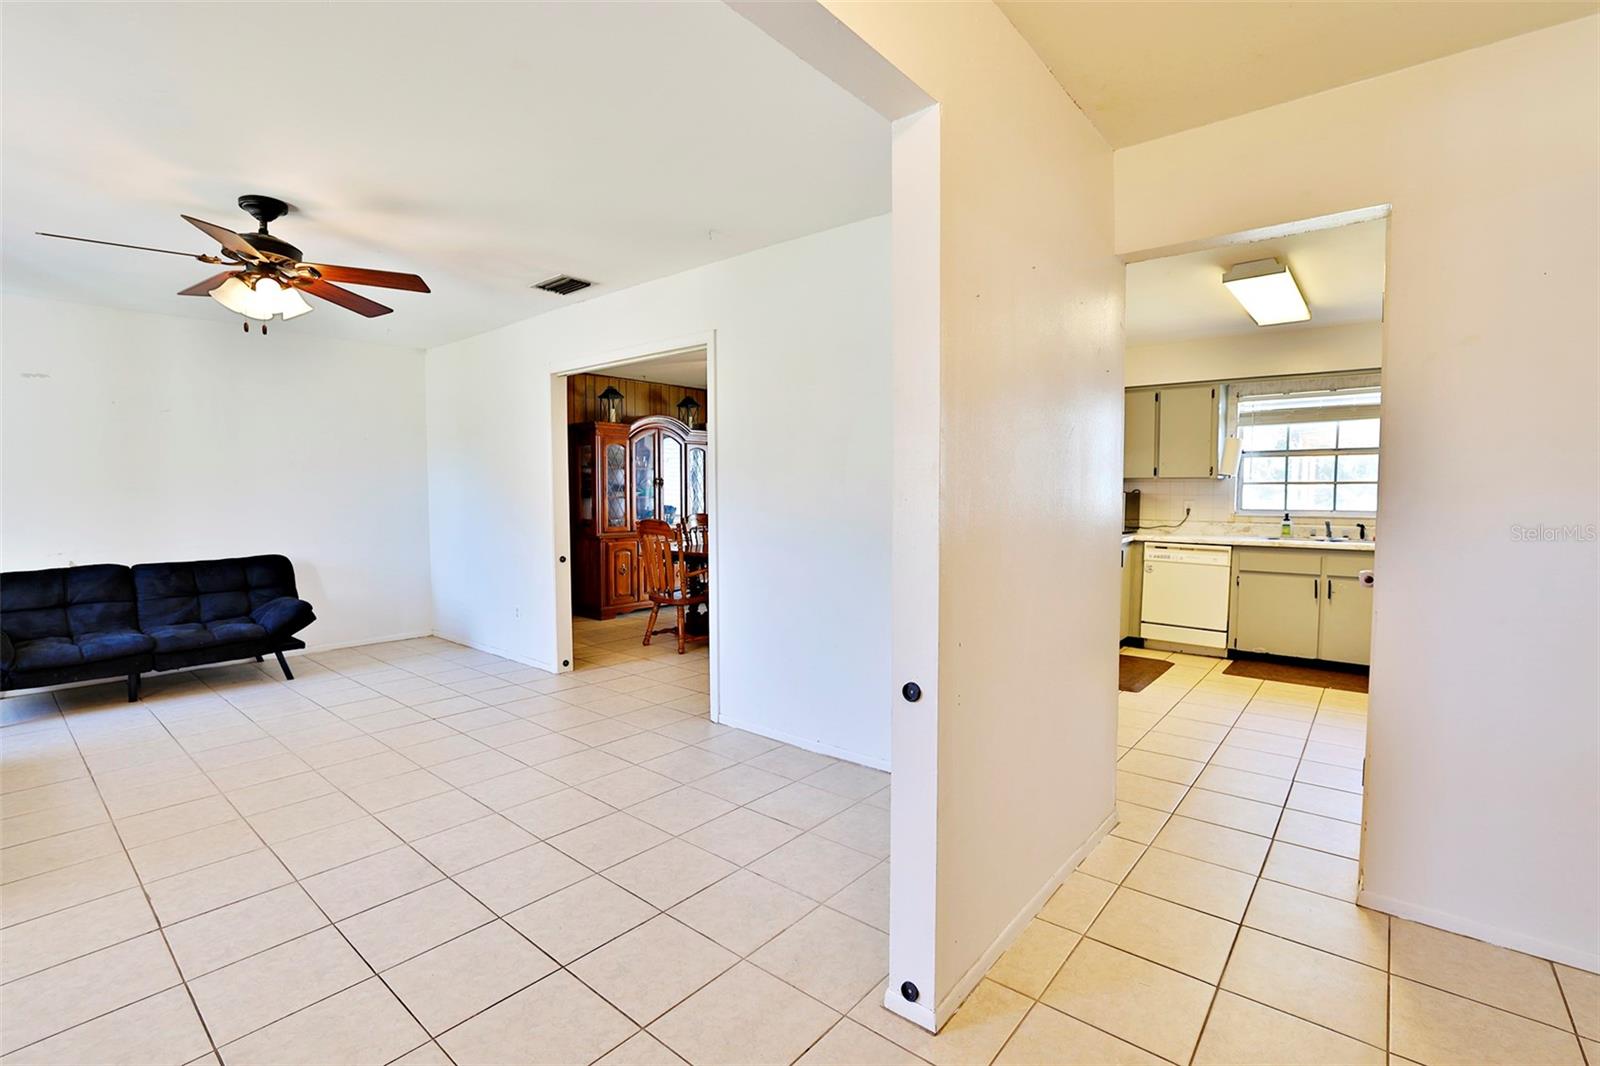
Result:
{"points": [[1267, 291], [260, 299]]}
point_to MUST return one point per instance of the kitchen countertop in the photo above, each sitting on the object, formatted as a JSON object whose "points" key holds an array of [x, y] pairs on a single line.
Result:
{"points": [[1246, 541]]}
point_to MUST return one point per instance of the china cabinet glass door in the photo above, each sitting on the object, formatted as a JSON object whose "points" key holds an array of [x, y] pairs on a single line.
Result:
{"points": [[671, 479], [697, 480], [616, 487], [644, 477]]}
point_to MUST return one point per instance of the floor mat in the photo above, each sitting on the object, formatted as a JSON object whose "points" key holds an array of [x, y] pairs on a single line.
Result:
{"points": [[1134, 672], [1291, 674]]}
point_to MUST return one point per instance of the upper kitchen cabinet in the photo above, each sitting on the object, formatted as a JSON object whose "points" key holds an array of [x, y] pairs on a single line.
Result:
{"points": [[1172, 432], [1139, 433]]}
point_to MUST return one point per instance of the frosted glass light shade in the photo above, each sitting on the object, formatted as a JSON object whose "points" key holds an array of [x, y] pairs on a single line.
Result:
{"points": [[1267, 292], [260, 302]]}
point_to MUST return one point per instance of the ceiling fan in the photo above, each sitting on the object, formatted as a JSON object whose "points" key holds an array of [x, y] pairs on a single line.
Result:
{"points": [[266, 275]]}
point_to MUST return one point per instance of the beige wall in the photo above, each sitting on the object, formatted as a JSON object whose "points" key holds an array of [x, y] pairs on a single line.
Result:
{"points": [[1481, 777], [1029, 361], [1250, 355]]}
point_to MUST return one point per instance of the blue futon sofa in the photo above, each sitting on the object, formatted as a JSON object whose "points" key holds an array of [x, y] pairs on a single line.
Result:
{"points": [[78, 623]]}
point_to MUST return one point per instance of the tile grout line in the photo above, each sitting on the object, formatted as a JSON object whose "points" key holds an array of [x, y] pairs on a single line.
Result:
{"points": [[205, 1027], [815, 904]]}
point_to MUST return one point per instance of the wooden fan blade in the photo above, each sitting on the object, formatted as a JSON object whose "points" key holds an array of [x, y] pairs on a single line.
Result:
{"points": [[135, 247], [346, 299], [225, 237], [204, 288], [384, 279]]}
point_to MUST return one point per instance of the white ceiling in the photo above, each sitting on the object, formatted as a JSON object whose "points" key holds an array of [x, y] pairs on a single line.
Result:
{"points": [[686, 368], [1340, 272], [1144, 70], [484, 146]]}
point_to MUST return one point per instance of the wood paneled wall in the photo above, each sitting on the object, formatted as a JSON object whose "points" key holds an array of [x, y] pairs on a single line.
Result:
{"points": [[640, 399]]}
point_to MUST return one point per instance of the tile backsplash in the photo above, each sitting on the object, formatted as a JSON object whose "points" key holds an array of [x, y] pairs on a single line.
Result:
{"points": [[1162, 502]]}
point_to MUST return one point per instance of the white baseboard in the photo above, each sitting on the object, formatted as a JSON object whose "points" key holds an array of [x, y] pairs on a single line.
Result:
{"points": [[1565, 954], [969, 980], [312, 649], [809, 744], [477, 645]]}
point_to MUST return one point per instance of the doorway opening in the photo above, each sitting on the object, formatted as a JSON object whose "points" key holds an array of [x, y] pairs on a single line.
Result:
{"points": [[1251, 476], [634, 478]]}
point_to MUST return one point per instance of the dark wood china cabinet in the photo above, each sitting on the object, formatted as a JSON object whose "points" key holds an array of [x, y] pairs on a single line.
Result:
{"points": [[622, 473]]}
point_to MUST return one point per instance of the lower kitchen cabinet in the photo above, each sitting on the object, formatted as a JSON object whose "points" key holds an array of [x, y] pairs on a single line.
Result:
{"points": [[1345, 635], [1302, 603], [1276, 614], [1132, 587]]}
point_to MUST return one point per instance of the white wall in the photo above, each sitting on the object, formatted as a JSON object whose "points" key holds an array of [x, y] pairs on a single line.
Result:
{"points": [[1029, 368], [1483, 808], [132, 437], [1249, 355], [801, 477]]}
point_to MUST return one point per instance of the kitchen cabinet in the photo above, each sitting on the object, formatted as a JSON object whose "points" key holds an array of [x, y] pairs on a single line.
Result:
{"points": [[1139, 433], [1132, 588], [1171, 432], [1302, 603], [1345, 635], [1276, 614]]}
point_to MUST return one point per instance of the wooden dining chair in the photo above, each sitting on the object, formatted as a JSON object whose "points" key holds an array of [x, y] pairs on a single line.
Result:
{"points": [[697, 532], [666, 579]]}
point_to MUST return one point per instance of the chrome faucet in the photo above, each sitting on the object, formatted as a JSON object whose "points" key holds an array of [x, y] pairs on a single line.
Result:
{"points": [[1362, 526], [1327, 528]]}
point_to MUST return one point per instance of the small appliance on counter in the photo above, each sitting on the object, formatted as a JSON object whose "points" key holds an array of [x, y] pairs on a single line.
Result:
{"points": [[1130, 511]]}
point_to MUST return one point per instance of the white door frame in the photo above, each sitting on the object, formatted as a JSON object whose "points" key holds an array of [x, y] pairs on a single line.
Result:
{"points": [[560, 562]]}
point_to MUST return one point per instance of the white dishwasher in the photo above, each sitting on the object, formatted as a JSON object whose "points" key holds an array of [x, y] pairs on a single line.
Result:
{"points": [[1185, 597]]}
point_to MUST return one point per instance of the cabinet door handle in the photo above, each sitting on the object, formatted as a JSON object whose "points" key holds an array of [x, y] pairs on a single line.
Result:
{"points": [[1316, 589], [1330, 588]]}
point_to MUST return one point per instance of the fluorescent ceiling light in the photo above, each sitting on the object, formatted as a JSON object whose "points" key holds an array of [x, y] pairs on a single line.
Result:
{"points": [[1267, 292], [259, 301]]}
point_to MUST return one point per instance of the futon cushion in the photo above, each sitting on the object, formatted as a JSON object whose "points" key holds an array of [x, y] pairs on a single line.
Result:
{"points": [[283, 615], [212, 590], [231, 630], [182, 637], [47, 653], [100, 599], [114, 644], [33, 604]]}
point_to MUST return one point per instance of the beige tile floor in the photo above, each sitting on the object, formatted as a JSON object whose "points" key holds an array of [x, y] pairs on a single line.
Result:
{"points": [[1217, 924], [420, 853]]}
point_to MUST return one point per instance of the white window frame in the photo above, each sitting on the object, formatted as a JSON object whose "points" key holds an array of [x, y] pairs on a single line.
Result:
{"points": [[1329, 405]]}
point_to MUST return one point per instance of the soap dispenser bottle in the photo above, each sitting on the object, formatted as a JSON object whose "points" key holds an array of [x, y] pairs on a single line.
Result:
{"points": [[1287, 531]]}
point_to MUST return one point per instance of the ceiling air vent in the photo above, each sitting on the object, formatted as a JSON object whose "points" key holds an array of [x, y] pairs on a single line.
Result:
{"points": [[563, 285]]}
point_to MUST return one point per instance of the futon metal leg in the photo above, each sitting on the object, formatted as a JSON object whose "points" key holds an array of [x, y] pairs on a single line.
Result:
{"points": [[133, 687], [259, 659], [284, 666]]}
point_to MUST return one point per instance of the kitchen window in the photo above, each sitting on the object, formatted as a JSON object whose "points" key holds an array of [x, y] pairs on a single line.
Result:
{"points": [[1309, 453]]}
